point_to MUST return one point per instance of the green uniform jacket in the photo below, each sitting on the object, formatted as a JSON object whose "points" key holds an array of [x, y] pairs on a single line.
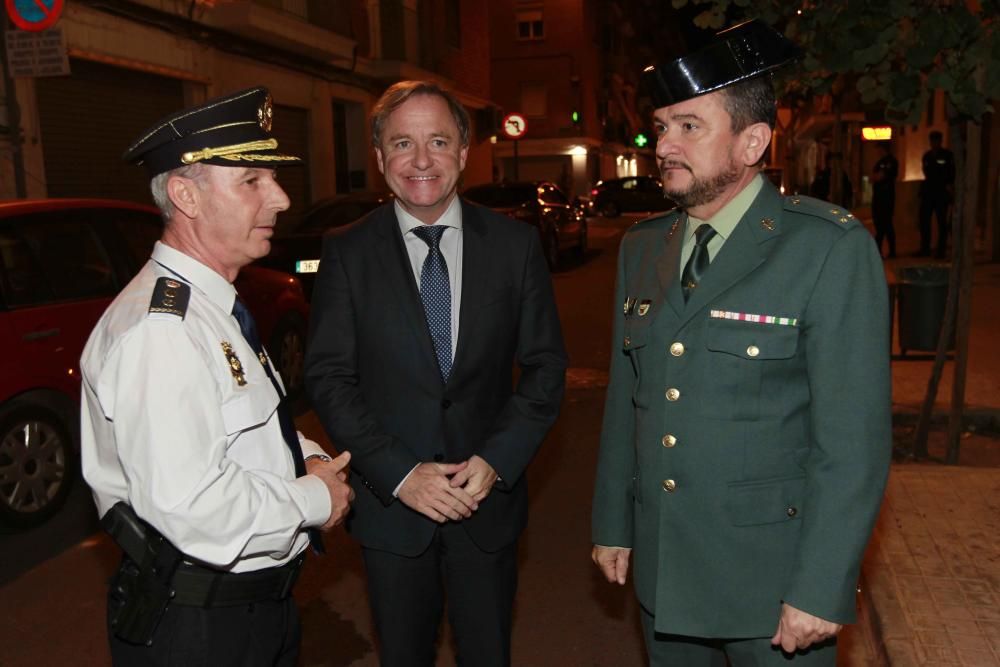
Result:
{"points": [[744, 461]]}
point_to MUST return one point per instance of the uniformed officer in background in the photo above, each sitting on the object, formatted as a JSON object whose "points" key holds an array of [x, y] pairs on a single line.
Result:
{"points": [[746, 434], [187, 440]]}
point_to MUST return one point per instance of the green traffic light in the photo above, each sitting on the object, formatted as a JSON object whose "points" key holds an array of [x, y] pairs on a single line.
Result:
{"points": [[640, 140], [576, 116]]}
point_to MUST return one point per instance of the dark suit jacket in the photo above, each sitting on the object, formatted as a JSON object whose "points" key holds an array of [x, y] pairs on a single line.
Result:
{"points": [[776, 441], [373, 379]]}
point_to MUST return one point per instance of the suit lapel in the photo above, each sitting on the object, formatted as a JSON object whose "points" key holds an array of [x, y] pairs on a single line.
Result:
{"points": [[668, 266], [476, 272], [742, 252], [399, 276]]}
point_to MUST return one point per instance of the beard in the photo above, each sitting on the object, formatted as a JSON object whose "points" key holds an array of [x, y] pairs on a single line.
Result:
{"points": [[701, 190]]}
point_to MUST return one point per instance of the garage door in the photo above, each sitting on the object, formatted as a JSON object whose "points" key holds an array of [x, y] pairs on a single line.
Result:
{"points": [[88, 120]]}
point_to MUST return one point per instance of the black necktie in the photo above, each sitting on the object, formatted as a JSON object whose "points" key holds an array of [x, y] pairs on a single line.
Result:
{"points": [[435, 292], [697, 263], [249, 329]]}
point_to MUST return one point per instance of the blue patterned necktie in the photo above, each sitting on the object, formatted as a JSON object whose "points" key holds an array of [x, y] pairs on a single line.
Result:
{"points": [[249, 329], [435, 292]]}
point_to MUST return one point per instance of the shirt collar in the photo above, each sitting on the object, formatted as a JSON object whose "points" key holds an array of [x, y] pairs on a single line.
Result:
{"points": [[725, 221], [452, 217], [218, 290]]}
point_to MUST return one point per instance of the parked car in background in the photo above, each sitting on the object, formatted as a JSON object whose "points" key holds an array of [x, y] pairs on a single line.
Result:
{"points": [[542, 205], [613, 197], [298, 250], [62, 261]]}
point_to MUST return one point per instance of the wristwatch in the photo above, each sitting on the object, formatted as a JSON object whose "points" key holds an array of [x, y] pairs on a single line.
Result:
{"points": [[322, 457]]}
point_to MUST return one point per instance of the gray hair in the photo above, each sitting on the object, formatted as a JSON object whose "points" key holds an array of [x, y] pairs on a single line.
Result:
{"points": [[397, 95], [158, 186], [751, 101]]}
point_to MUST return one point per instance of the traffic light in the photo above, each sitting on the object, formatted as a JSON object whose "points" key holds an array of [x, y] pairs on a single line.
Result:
{"points": [[575, 116], [640, 140]]}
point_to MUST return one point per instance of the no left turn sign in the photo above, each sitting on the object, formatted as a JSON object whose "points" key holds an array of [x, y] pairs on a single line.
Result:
{"points": [[514, 125]]}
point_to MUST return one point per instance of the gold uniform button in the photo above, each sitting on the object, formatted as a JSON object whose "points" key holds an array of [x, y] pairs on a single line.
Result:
{"points": [[677, 349], [753, 351], [628, 341], [669, 441], [791, 511], [673, 394], [669, 485]]}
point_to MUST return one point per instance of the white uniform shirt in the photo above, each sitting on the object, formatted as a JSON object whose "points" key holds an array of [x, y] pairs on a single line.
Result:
{"points": [[166, 427]]}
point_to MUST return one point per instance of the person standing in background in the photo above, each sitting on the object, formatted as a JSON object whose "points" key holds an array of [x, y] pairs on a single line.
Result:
{"points": [[884, 175], [937, 191]]}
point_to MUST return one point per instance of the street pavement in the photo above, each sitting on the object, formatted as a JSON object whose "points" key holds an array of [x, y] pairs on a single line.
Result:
{"points": [[931, 576], [931, 579]]}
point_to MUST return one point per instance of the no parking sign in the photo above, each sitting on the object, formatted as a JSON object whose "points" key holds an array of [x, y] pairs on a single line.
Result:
{"points": [[34, 15]]}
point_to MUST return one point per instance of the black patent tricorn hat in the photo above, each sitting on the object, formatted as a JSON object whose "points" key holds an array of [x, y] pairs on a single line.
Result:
{"points": [[738, 53], [229, 131]]}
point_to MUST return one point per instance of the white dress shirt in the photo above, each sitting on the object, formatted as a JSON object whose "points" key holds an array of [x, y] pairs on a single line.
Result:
{"points": [[451, 250], [167, 428]]}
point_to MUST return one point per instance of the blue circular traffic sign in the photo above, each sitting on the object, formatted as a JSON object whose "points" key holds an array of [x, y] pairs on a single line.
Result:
{"points": [[34, 15]]}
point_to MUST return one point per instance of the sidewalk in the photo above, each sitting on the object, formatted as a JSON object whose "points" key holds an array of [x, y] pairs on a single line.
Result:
{"points": [[931, 576]]}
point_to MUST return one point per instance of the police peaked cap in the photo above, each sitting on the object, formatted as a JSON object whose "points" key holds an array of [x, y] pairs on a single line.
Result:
{"points": [[738, 53], [229, 131]]}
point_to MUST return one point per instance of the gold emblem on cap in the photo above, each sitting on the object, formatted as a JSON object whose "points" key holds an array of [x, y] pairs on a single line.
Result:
{"points": [[644, 307], [265, 114], [235, 366], [768, 224]]}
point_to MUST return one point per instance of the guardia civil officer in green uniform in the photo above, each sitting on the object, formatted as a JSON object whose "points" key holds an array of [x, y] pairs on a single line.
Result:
{"points": [[746, 434]]}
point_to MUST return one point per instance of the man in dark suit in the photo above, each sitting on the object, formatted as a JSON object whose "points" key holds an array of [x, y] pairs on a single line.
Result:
{"points": [[420, 314], [747, 431]]}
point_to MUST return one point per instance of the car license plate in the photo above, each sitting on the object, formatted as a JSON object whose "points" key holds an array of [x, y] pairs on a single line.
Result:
{"points": [[307, 266]]}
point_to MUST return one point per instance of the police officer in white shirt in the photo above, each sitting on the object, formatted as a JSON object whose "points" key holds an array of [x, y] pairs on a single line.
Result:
{"points": [[187, 440]]}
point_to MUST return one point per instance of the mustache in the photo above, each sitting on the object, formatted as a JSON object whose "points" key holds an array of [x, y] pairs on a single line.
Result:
{"points": [[674, 164]]}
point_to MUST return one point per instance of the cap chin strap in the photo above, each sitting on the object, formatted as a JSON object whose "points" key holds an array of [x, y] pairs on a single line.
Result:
{"points": [[236, 152]]}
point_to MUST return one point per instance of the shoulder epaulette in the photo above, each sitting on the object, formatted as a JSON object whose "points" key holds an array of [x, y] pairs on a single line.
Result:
{"points": [[818, 208], [170, 296], [666, 218]]}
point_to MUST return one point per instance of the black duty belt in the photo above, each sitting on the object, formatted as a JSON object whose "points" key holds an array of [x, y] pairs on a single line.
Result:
{"points": [[197, 586]]}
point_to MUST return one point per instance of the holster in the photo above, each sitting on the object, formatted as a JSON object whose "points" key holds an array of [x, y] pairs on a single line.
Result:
{"points": [[141, 589]]}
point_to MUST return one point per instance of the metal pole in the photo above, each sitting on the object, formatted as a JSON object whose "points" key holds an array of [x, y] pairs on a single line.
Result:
{"points": [[13, 118], [516, 177]]}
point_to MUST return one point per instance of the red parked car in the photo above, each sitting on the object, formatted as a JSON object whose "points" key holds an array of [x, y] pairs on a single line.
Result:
{"points": [[62, 261]]}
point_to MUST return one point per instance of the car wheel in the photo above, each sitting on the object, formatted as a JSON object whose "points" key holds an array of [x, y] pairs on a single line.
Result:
{"points": [[610, 210], [37, 466], [288, 352]]}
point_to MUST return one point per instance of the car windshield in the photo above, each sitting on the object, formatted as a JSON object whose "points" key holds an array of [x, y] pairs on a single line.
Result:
{"points": [[496, 196]]}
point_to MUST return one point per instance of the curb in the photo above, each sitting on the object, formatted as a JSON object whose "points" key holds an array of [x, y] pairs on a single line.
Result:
{"points": [[979, 419]]}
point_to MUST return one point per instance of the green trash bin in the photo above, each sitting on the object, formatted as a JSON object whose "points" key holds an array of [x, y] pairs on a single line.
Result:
{"points": [[922, 295]]}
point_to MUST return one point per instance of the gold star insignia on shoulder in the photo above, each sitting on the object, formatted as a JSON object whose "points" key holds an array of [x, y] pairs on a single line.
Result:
{"points": [[768, 224]]}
